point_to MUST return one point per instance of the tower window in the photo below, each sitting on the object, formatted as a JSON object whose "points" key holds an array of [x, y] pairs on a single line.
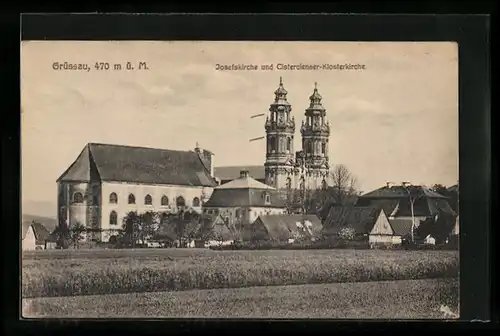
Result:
{"points": [[148, 200], [113, 218], [164, 200], [77, 197], [309, 147], [113, 198], [323, 148], [196, 202], [131, 199], [289, 144]]}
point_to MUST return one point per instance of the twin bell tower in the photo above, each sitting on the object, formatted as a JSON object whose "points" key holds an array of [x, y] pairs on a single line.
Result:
{"points": [[284, 167]]}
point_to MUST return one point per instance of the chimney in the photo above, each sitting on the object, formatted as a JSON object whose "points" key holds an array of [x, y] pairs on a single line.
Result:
{"points": [[244, 174]]}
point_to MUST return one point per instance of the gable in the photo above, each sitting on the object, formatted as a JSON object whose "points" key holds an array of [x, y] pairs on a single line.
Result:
{"points": [[382, 225]]}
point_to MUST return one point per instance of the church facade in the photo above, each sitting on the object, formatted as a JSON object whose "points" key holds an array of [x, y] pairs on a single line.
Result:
{"points": [[285, 168]]}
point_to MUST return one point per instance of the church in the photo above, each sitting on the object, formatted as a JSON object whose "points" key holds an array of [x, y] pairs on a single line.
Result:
{"points": [[107, 181], [285, 168]]}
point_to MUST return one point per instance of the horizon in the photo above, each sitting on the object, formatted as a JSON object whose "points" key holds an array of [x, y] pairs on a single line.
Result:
{"points": [[395, 120]]}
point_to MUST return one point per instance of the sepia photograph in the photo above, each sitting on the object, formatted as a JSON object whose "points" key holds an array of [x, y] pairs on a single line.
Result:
{"points": [[221, 179]]}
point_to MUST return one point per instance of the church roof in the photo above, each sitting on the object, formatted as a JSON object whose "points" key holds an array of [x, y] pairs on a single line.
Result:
{"points": [[232, 172], [245, 192], [105, 162]]}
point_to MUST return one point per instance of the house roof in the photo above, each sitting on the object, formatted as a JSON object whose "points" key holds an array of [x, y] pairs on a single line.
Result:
{"points": [[401, 226], [284, 227], [105, 162], [232, 172], [41, 233], [361, 219], [245, 191], [396, 203], [399, 192], [246, 182], [453, 188]]}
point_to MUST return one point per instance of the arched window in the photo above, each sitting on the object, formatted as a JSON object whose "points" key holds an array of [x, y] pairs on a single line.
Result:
{"points": [[77, 197], [323, 148], [288, 183], [289, 144], [148, 200], [113, 198], [180, 202], [131, 199], [113, 218], [196, 202], [323, 184], [164, 200]]}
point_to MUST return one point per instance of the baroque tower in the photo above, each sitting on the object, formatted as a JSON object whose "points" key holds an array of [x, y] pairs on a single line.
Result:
{"points": [[315, 132], [280, 129]]}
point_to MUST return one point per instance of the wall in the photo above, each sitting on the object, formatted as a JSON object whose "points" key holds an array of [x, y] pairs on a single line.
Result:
{"points": [[249, 214], [140, 191], [29, 241]]}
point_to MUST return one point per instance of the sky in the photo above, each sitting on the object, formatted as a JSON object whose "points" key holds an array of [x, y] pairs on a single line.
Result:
{"points": [[396, 120]]}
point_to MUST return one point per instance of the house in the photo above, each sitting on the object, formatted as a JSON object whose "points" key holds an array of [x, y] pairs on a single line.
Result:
{"points": [[107, 181], [216, 231], [369, 224], [33, 236], [283, 228], [242, 200], [430, 209], [360, 220]]}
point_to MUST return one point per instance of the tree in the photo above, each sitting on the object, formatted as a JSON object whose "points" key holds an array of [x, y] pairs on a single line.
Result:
{"points": [[62, 235], [131, 227], [414, 194], [344, 184], [440, 189], [149, 225], [140, 227], [76, 234], [347, 234]]}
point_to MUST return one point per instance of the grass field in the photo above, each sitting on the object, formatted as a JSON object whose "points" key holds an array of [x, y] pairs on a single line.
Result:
{"points": [[79, 272], [405, 299]]}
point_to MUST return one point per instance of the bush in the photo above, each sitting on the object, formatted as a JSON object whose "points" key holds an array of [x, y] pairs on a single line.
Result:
{"points": [[155, 270]]}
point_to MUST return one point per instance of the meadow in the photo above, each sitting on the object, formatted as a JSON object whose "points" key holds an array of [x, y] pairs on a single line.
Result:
{"points": [[56, 273], [404, 299]]}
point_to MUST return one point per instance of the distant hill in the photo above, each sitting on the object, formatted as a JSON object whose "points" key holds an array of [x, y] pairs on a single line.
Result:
{"points": [[40, 208], [49, 223]]}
